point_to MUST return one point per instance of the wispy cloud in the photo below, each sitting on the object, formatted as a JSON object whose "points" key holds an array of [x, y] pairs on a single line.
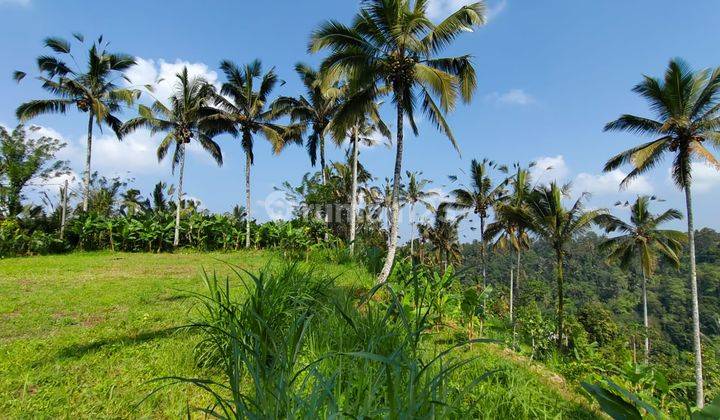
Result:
{"points": [[609, 183], [549, 168], [440, 9], [161, 74], [511, 97]]}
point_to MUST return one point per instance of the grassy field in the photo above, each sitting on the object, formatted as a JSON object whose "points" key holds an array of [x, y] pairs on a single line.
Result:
{"points": [[82, 334]]}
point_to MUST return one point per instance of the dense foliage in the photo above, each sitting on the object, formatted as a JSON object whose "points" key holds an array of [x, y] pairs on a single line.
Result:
{"points": [[605, 312], [562, 288], [300, 347]]}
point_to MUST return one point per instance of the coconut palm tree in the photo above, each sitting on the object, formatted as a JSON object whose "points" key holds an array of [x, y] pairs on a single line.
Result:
{"points": [[182, 121], [159, 203], [443, 236], [362, 128], [687, 108], [415, 194], [479, 197], [509, 232], [132, 202], [380, 200], [92, 90], [392, 48], [314, 110], [642, 240], [547, 217], [247, 112]]}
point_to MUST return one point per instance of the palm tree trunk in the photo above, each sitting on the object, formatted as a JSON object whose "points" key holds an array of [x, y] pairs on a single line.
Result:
{"points": [[328, 206], [699, 393], [559, 267], [482, 250], [321, 140], [353, 190], [516, 295], [88, 154], [512, 286], [176, 241], [247, 200], [412, 231], [645, 317], [395, 206], [517, 276], [63, 215]]}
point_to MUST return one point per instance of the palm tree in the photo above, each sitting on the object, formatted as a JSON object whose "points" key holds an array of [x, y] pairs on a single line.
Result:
{"points": [[159, 203], [132, 202], [509, 232], [546, 216], [92, 90], [415, 194], [391, 48], [479, 197], [380, 199], [443, 235], [360, 128], [182, 120], [687, 106], [246, 112], [314, 111], [642, 239]]}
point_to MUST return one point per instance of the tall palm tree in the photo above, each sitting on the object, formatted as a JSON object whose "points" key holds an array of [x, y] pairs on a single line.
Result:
{"points": [[314, 110], [182, 120], [546, 216], [360, 129], [479, 197], [92, 90], [247, 112], [416, 194], [641, 239], [509, 232], [380, 200], [687, 108], [392, 47], [443, 236]]}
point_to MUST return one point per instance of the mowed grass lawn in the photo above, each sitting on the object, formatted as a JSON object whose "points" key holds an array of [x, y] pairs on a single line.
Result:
{"points": [[82, 334]]}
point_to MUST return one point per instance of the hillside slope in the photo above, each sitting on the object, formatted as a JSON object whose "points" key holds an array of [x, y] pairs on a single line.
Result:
{"points": [[82, 334]]}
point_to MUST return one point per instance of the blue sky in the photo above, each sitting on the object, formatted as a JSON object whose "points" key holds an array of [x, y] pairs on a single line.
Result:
{"points": [[550, 75]]}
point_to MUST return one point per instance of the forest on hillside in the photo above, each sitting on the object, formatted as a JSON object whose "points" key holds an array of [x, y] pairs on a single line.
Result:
{"points": [[604, 303]]}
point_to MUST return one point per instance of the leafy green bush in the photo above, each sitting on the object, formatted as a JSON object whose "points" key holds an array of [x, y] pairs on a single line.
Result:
{"points": [[18, 241]]}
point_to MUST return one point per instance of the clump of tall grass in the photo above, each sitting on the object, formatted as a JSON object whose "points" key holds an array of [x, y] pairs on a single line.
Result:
{"points": [[295, 345]]}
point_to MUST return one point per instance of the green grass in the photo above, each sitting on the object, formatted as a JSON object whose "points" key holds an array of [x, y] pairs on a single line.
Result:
{"points": [[82, 334]]}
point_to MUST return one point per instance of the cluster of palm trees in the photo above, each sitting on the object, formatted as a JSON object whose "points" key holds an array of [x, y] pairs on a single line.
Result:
{"points": [[687, 108], [392, 50]]}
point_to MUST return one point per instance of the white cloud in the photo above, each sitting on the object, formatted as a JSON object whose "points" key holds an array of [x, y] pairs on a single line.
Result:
{"points": [[549, 168], [136, 154], [110, 156], [440, 9], [511, 97], [704, 177], [609, 183], [161, 75]]}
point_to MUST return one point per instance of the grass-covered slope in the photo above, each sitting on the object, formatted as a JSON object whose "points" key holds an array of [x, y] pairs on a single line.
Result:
{"points": [[82, 334]]}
